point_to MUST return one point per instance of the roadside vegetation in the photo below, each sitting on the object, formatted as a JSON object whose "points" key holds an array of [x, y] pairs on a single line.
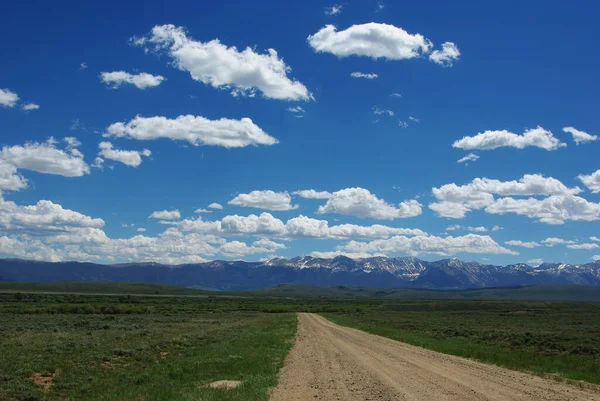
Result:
{"points": [[546, 338], [142, 345]]}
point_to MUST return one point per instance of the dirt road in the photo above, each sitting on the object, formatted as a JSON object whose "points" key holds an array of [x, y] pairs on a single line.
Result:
{"points": [[331, 362]]}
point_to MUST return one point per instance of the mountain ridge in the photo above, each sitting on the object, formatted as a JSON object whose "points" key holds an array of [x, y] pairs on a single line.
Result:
{"points": [[399, 272]]}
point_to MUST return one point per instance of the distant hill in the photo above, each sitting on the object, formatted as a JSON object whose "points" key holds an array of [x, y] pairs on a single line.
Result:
{"points": [[102, 288], [527, 293], [379, 272], [579, 293]]}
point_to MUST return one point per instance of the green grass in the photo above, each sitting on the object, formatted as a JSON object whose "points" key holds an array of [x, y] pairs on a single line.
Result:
{"points": [[561, 339], [108, 357]]}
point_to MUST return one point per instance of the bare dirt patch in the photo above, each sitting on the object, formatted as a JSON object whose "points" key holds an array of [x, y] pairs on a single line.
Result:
{"points": [[331, 362], [44, 380], [228, 384]]}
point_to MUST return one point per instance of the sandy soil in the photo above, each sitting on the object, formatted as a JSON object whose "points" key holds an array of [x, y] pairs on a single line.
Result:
{"points": [[331, 362]]}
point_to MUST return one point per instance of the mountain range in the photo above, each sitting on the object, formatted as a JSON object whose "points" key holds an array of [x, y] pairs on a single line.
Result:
{"points": [[402, 272]]}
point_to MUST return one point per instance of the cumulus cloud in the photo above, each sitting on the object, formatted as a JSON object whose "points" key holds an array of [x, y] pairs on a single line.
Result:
{"points": [[580, 136], [429, 245], [478, 229], [10, 180], [471, 157], [268, 200], [213, 63], [369, 75], [312, 194], [456, 201], [591, 181], [30, 106], [142, 80], [552, 241], [489, 140], [555, 209], [201, 210], [215, 205], [447, 56], [361, 203], [132, 158], [524, 244], [196, 130], [373, 40], [333, 10], [8, 98], [585, 247], [596, 239], [166, 215], [297, 227], [43, 158]]}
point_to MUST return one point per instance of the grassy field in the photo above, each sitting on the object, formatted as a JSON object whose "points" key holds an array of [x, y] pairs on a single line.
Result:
{"points": [[526, 293], [147, 346], [141, 356], [561, 339]]}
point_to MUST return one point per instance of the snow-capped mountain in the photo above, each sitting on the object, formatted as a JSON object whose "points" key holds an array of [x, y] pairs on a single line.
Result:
{"points": [[375, 271]]}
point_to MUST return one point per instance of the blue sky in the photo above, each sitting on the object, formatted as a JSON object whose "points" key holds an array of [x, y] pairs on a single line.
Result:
{"points": [[517, 74]]}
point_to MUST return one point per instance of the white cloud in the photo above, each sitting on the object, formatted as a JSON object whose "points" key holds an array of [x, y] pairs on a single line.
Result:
{"points": [[403, 124], [9, 179], [215, 205], [596, 258], [45, 217], [269, 245], [8, 98], [132, 158], [429, 245], [497, 228], [371, 40], [212, 63], [395, 94], [471, 157], [535, 262], [596, 239], [312, 194], [379, 111], [296, 227], [555, 209], [447, 56], [334, 254], [591, 181], [414, 119], [478, 229], [580, 136], [142, 80], [30, 106], [200, 210], [586, 247], [456, 201], [83, 66], [98, 163], [141, 230], [268, 200], [361, 203], [166, 215], [45, 158], [333, 10], [297, 109], [530, 244], [196, 130], [380, 5], [236, 249], [556, 241], [369, 75], [489, 140]]}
